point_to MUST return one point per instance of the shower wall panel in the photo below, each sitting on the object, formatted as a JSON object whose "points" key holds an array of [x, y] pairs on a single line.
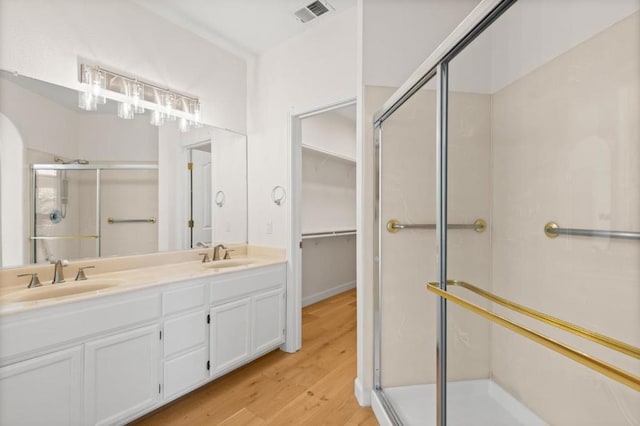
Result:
{"points": [[566, 147]]}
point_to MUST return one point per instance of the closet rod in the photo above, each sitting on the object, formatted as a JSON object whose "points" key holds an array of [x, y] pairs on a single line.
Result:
{"points": [[328, 234]]}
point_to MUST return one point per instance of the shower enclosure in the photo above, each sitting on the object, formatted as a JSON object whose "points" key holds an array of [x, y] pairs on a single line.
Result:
{"points": [[508, 222], [84, 210]]}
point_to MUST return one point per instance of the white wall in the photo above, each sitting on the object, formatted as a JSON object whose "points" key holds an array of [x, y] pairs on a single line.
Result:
{"points": [[310, 70], [107, 137], [229, 155], [399, 35], [12, 203], [45, 125], [44, 39], [328, 267]]}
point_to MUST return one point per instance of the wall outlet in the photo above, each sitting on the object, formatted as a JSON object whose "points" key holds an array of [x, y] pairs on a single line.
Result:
{"points": [[269, 227], [228, 227]]}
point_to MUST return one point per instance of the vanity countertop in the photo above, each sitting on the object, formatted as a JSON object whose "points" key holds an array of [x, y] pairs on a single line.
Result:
{"points": [[110, 279]]}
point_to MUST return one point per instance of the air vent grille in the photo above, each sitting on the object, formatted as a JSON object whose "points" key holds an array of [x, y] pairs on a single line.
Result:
{"points": [[312, 11], [317, 8]]}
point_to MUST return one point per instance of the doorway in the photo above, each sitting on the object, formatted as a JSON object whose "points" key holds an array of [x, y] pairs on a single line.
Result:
{"points": [[323, 209]]}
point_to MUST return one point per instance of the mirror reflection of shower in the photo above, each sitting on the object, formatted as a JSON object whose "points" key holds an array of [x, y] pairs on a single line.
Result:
{"points": [[74, 200], [57, 215]]}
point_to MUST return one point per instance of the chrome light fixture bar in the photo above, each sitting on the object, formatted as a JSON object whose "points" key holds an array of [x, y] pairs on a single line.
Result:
{"points": [[134, 96]]}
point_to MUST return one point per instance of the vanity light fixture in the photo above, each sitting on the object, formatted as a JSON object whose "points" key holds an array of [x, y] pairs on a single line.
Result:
{"points": [[134, 96]]}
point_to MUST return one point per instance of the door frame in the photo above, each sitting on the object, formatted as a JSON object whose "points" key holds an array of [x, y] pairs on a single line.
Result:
{"points": [[293, 340]]}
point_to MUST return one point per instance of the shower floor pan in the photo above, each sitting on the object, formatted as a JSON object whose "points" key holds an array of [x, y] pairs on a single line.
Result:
{"points": [[470, 403]]}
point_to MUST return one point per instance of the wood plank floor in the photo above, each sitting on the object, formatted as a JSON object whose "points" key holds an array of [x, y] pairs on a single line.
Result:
{"points": [[311, 387]]}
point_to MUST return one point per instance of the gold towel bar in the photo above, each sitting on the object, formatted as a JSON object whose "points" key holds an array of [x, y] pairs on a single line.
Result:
{"points": [[607, 341], [595, 364]]}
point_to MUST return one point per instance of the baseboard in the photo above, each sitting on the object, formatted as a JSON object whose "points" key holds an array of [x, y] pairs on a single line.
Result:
{"points": [[310, 300], [364, 398]]}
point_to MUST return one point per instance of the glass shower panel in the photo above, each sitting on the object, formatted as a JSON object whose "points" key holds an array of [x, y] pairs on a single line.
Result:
{"points": [[544, 145], [64, 220], [408, 316]]}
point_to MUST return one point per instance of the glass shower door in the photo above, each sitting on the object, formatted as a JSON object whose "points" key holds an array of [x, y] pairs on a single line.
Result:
{"points": [[64, 213], [543, 320], [406, 338]]}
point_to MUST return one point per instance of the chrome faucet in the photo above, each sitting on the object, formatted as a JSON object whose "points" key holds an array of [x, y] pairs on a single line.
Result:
{"points": [[216, 251], [58, 274]]}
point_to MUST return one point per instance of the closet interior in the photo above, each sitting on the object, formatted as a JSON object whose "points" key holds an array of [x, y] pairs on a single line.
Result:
{"points": [[328, 203]]}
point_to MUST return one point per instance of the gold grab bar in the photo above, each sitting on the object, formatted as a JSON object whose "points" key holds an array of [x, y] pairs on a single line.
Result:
{"points": [[595, 364], [607, 341]]}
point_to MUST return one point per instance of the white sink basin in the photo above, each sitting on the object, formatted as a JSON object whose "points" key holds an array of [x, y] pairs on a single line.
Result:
{"points": [[50, 291], [229, 263]]}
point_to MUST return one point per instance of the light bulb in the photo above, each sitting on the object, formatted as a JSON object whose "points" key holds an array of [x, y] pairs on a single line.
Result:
{"points": [[195, 112], [99, 84], [169, 101], [125, 110], [137, 95], [157, 118], [87, 101], [184, 125]]}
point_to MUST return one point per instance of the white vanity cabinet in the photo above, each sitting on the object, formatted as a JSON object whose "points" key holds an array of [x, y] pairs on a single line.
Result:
{"points": [[110, 359], [121, 375], [46, 390]]}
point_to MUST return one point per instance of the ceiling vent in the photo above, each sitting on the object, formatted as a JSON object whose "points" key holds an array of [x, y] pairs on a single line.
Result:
{"points": [[313, 10]]}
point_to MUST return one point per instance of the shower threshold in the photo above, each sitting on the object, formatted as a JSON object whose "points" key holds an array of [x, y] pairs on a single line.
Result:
{"points": [[473, 402]]}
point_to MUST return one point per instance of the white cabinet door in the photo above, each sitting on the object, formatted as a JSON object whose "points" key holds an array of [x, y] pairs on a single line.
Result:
{"points": [[46, 390], [268, 320], [230, 334], [121, 375], [184, 372]]}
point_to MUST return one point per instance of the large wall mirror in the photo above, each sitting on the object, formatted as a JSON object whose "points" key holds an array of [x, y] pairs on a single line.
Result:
{"points": [[76, 184]]}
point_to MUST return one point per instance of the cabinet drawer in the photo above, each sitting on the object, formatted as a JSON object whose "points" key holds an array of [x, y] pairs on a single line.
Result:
{"points": [[75, 321], [184, 372], [183, 299], [237, 285], [184, 332]]}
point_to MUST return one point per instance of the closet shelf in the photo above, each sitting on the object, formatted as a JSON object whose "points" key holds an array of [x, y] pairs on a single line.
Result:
{"points": [[330, 153], [325, 234]]}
